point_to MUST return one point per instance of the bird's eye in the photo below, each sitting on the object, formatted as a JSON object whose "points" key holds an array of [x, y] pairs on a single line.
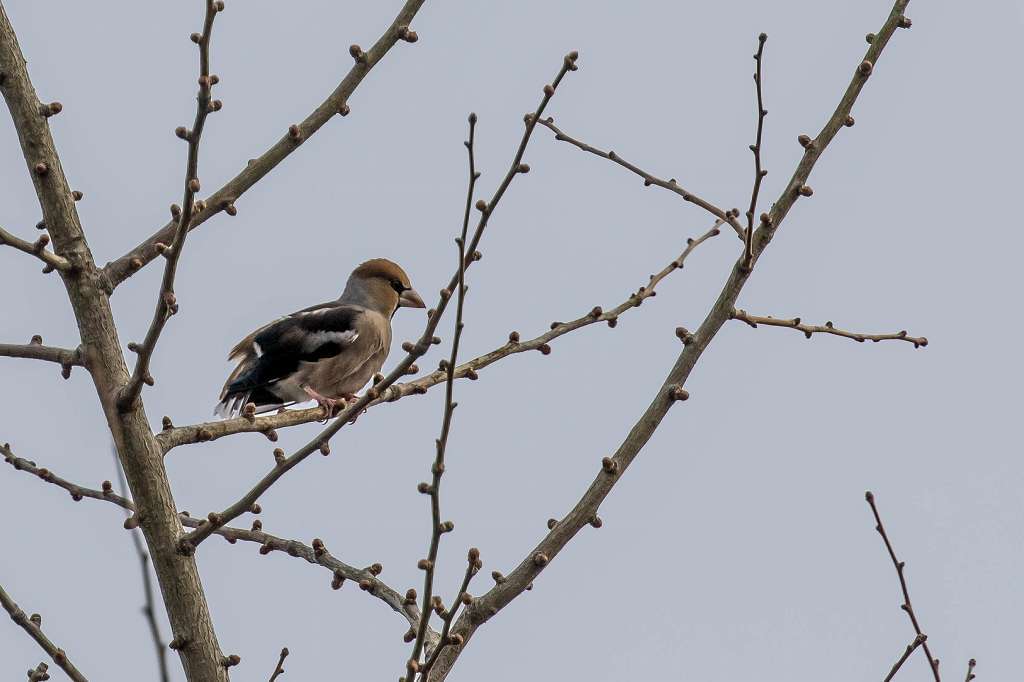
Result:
{"points": [[397, 286]]}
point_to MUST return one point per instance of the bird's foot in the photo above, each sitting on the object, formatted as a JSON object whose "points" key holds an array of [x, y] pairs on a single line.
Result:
{"points": [[328, 404]]}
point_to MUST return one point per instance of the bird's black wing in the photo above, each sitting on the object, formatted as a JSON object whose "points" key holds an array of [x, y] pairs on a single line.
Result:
{"points": [[277, 351]]}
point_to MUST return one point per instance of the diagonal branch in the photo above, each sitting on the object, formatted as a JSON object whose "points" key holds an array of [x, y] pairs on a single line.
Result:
{"points": [[31, 625], [933, 662], [314, 554], [585, 511], [35, 350], [172, 436], [37, 249], [224, 198], [189, 542], [671, 184], [918, 641], [827, 328], [279, 670], [166, 304]]}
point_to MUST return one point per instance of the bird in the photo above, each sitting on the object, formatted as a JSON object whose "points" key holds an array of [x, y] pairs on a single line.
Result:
{"points": [[326, 352]]}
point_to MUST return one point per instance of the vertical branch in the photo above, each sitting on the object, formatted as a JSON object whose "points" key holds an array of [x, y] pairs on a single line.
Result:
{"points": [[906, 605], [149, 606], [759, 173], [88, 293], [434, 488], [166, 304]]}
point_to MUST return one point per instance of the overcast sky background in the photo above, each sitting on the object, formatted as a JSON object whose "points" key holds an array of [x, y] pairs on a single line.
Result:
{"points": [[739, 547]]}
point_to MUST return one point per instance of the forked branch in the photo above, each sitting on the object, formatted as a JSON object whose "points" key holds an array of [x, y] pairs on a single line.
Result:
{"points": [[933, 662], [224, 198], [413, 351]]}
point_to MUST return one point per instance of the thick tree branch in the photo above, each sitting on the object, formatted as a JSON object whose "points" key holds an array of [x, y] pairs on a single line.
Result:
{"points": [[37, 249], [671, 185], [316, 553], [149, 603], [173, 436], [31, 625], [413, 351], [178, 576], [933, 662], [828, 328], [166, 303], [336, 103], [612, 468], [35, 350]]}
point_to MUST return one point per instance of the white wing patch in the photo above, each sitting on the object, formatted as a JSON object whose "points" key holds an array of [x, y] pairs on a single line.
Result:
{"points": [[257, 349], [317, 339]]}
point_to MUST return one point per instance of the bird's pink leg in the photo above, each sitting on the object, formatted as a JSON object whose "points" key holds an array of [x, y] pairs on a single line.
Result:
{"points": [[328, 403]]}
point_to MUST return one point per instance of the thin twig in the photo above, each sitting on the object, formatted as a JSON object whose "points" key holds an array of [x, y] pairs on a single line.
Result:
{"points": [[31, 625], [918, 641], [336, 103], [437, 470], [35, 350], [759, 173], [473, 566], [671, 391], [827, 328], [320, 443], [316, 554], [900, 565], [37, 249], [172, 437], [166, 303], [649, 179], [970, 670], [149, 605], [279, 670]]}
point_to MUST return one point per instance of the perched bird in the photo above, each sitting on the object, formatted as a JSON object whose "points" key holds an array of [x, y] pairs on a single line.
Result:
{"points": [[326, 352]]}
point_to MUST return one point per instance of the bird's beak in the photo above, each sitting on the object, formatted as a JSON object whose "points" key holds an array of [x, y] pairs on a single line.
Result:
{"points": [[410, 299]]}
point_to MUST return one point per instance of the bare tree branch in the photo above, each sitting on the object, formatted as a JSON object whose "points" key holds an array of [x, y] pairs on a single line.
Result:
{"points": [[433, 489], [970, 670], [828, 328], [671, 185], [31, 625], [612, 468], [316, 553], [918, 641], [190, 541], [35, 350], [173, 436], [37, 249], [336, 103], [149, 605], [188, 613], [166, 303], [759, 172], [933, 662], [279, 670]]}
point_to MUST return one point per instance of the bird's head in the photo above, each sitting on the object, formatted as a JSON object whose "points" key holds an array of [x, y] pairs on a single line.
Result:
{"points": [[382, 285]]}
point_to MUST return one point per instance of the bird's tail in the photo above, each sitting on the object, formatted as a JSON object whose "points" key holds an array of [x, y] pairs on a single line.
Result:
{"points": [[234, 399]]}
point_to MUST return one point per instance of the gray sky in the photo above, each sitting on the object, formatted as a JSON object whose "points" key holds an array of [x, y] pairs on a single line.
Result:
{"points": [[739, 547]]}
